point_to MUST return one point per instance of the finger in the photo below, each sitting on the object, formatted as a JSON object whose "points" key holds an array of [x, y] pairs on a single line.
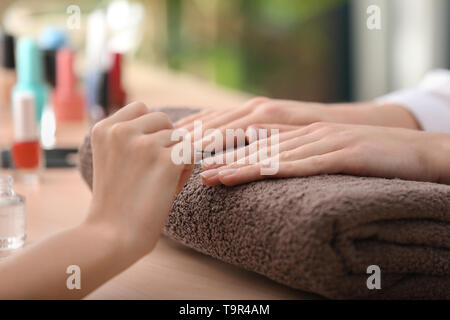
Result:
{"points": [[287, 141], [223, 119], [184, 177], [300, 130], [180, 123], [222, 158], [291, 150], [246, 123], [227, 118], [204, 119], [314, 148], [241, 123], [328, 163], [151, 122], [256, 101], [129, 112], [211, 177], [233, 176], [269, 127], [164, 137]]}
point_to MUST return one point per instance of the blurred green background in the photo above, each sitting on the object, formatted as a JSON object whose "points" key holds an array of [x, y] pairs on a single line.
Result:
{"points": [[315, 50], [284, 48], [289, 49]]}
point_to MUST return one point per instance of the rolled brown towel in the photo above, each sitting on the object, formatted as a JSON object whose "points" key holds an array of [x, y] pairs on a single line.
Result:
{"points": [[321, 233]]}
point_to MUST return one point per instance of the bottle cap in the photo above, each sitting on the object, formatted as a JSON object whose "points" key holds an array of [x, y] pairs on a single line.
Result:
{"points": [[52, 38], [7, 51], [24, 116], [29, 66]]}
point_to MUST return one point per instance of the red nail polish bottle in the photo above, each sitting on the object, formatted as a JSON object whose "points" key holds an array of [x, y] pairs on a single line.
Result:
{"points": [[67, 101], [117, 94], [26, 150]]}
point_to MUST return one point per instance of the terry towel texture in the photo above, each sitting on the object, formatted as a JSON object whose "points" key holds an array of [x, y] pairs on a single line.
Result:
{"points": [[320, 233]]}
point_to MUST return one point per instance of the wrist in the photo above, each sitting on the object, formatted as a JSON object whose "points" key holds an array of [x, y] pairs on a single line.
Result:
{"points": [[438, 153], [372, 113], [122, 242], [346, 113]]}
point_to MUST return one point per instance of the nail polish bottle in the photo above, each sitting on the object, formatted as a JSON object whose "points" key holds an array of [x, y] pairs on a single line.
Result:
{"points": [[26, 149], [7, 72], [117, 93], [29, 74], [67, 101], [51, 40], [95, 60], [12, 217], [100, 108]]}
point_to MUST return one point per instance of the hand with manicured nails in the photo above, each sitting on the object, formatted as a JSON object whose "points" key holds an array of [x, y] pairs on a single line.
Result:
{"points": [[329, 148], [287, 115]]}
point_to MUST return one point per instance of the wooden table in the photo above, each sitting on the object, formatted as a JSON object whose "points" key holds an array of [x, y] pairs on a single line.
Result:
{"points": [[171, 271]]}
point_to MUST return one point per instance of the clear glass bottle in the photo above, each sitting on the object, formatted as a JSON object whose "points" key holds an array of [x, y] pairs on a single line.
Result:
{"points": [[12, 216]]}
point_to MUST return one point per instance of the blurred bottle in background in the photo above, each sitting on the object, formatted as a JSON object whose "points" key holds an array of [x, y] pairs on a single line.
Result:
{"points": [[117, 92], [7, 71], [29, 74], [7, 81], [96, 44], [99, 109], [51, 40], [67, 101], [26, 150]]}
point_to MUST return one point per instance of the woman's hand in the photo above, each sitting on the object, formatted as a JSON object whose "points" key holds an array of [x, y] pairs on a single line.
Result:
{"points": [[287, 115], [135, 179], [261, 110], [323, 148], [134, 184]]}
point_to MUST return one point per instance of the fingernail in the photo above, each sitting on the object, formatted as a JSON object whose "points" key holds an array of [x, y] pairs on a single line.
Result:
{"points": [[208, 164], [227, 172], [208, 174]]}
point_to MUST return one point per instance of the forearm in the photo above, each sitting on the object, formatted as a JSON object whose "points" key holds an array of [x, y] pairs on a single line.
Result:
{"points": [[39, 272], [436, 146], [370, 113]]}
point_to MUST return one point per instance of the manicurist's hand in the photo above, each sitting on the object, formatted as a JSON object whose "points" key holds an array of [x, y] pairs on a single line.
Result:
{"points": [[135, 179], [134, 184], [326, 148]]}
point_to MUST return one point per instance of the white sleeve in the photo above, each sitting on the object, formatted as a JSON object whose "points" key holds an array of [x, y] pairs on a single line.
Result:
{"points": [[429, 102]]}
